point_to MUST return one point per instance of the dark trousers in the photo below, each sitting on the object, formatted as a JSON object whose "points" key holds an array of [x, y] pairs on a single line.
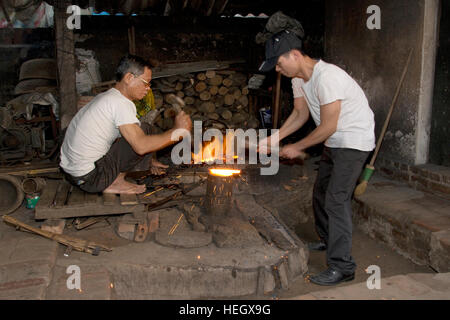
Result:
{"points": [[339, 171], [120, 158]]}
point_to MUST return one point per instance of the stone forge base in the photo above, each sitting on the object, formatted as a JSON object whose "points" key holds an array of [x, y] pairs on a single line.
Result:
{"points": [[249, 251], [151, 271]]}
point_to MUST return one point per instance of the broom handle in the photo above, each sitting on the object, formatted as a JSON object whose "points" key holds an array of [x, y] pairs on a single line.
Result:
{"points": [[386, 122]]}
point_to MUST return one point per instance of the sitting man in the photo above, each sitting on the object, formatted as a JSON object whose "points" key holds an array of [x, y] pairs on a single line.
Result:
{"points": [[105, 140]]}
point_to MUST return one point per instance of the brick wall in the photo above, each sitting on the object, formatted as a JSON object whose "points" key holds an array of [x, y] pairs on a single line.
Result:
{"points": [[428, 177]]}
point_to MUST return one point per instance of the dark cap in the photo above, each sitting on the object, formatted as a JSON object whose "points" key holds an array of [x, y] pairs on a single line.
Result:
{"points": [[278, 45]]}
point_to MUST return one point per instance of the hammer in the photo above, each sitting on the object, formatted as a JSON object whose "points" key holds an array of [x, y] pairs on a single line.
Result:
{"points": [[176, 102]]}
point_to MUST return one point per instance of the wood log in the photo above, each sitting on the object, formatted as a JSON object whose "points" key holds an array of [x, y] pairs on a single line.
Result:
{"points": [[214, 90], [253, 123], [200, 86], [227, 114], [210, 74], [199, 117], [180, 94], [239, 79], [170, 113], [245, 90], [205, 96], [208, 107], [243, 100], [190, 110], [165, 89], [238, 118], [215, 81], [159, 101], [223, 91], [227, 82], [179, 86], [201, 76], [218, 125], [219, 101], [236, 92], [226, 72], [189, 92], [167, 83], [213, 116], [189, 100], [229, 99]]}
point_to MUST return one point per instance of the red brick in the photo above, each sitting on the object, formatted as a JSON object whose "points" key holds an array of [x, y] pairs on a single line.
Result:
{"points": [[435, 177], [433, 223], [387, 171], [439, 187], [424, 173], [414, 170], [446, 179]]}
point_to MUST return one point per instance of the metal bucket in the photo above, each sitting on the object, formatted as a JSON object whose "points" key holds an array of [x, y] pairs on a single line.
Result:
{"points": [[11, 194], [33, 185]]}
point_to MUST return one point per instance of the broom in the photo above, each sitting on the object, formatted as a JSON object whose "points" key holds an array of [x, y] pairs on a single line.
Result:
{"points": [[369, 169]]}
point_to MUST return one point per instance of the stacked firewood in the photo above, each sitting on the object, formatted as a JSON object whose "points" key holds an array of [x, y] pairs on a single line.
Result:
{"points": [[217, 98]]}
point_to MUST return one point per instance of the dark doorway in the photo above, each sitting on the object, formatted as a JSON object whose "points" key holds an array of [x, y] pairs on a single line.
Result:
{"points": [[440, 119]]}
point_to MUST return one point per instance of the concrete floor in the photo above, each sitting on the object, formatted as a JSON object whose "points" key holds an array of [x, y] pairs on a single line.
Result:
{"points": [[32, 267]]}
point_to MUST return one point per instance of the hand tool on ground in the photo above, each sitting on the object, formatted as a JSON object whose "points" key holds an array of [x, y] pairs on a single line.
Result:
{"points": [[369, 169], [71, 242]]}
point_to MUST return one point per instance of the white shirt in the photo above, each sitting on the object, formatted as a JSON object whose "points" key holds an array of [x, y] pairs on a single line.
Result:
{"points": [[94, 129], [329, 83]]}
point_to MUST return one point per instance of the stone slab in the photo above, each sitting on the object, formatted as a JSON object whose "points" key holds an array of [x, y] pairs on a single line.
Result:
{"points": [[95, 283], [400, 287]]}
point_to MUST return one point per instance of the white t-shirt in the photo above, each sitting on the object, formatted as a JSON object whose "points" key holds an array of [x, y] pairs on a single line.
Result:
{"points": [[329, 83], [94, 129]]}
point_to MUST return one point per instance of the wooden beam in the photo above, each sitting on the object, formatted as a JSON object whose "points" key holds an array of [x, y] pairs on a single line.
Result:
{"points": [[210, 8], [276, 110], [222, 8], [65, 56], [190, 67]]}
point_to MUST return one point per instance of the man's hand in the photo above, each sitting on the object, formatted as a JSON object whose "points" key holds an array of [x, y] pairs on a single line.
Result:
{"points": [[183, 121], [292, 151]]}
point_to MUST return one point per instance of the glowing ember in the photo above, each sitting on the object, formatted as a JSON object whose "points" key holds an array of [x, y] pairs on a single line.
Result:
{"points": [[224, 172]]}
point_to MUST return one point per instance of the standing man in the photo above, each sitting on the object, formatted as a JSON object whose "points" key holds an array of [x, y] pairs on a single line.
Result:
{"points": [[345, 123], [105, 140]]}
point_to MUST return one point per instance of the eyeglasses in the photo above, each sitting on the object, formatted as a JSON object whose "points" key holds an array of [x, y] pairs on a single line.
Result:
{"points": [[146, 83]]}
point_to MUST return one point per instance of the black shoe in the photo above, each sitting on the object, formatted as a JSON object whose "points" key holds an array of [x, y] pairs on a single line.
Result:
{"points": [[331, 277], [317, 246]]}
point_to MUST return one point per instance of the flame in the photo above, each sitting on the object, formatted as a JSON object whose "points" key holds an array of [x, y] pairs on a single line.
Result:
{"points": [[213, 150], [224, 172]]}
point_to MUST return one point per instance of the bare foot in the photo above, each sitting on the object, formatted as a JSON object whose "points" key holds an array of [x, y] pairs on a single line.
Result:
{"points": [[157, 167], [156, 163], [121, 186]]}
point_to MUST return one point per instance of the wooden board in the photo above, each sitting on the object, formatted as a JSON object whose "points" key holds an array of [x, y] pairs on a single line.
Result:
{"points": [[57, 202], [91, 198], [191, 67], [62, 194], [110, 199], [48, 194], [88, 210], [77, 197], [128, 199]]}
